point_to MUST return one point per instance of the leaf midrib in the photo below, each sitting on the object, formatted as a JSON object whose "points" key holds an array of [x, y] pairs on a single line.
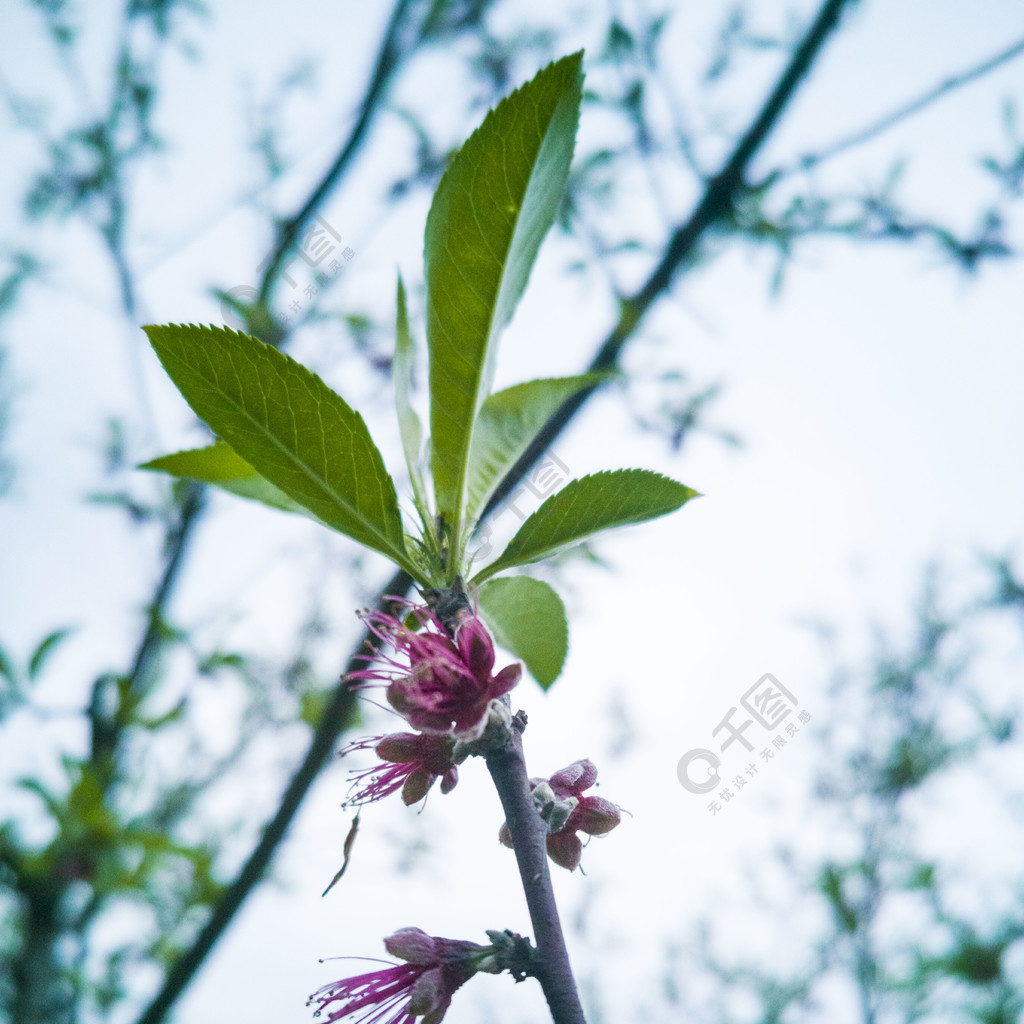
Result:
{"points": [[307, 470], [503, 264]]}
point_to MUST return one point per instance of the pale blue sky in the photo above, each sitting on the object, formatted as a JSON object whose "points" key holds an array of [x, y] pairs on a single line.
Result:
{"points": [[878, 398]]}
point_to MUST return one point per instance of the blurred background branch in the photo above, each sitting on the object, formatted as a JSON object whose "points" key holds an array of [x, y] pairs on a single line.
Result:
{"points": [[122, 820]]}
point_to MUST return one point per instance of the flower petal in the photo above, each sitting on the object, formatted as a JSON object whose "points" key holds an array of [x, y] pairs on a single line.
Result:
{"points": [[417, 786], [427, 992], [413, 945], [565, 849], [575, 778], [506, 679], [594, 815], [476, 647]]}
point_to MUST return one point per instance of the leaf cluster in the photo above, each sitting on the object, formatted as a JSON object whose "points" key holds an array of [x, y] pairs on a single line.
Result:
{"points": [[287, 439]]}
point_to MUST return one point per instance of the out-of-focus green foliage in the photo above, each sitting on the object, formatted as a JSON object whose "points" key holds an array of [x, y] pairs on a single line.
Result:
{"points": [[123, 827], [909, 927]]}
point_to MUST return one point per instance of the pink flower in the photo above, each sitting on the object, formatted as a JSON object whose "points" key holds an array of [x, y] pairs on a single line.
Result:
{"points": [[567, 811], [421, 987], [447, 686], [412, 763]]}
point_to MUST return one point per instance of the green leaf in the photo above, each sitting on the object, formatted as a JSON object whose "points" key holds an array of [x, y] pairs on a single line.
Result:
{"points": [[10, 693], [290, 427], [409, 426], [156, 723], [7, 670], [508, 423], [586, 506], [218, 660], [220, 465], [37, 660], [528, 618], [490, 213], [312, 705]]}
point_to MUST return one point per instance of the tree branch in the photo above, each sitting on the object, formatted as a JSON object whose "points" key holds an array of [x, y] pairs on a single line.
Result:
{"points": [[107, 727], [915, 106], [175, 549], [389, 58], [508, 770], [715, 205]]}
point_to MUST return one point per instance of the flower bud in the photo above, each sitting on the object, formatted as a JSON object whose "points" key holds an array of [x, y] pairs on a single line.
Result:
{"points": [[450, 779], [566, 811], [595, 816], [565, 849], [574, 779]]}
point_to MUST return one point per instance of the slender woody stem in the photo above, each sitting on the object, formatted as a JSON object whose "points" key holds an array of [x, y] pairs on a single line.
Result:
{"points": [[508, 770], [388, 61]]}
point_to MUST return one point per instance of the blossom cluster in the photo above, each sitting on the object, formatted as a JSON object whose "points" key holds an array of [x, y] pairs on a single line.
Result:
{"points": [[443, 687], [567, 812]]}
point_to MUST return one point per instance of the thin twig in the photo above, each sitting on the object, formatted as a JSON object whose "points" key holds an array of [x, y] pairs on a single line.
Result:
{"points": [[176, 545], [108, 730], [388, 60], [715, 205], [915, 106], [508, 770]]}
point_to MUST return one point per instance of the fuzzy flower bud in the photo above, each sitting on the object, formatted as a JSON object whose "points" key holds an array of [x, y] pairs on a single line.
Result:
{"points": [[561, 804]]}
